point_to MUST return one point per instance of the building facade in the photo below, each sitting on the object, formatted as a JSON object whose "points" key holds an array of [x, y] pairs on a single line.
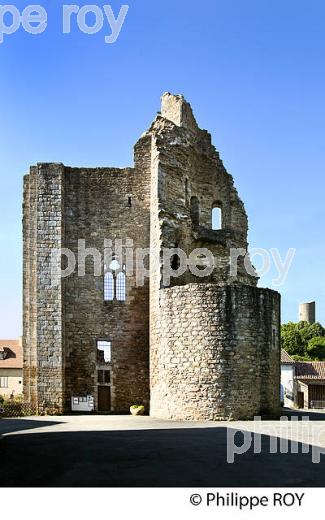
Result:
{"points": [[302, 383], [288, 390], [187, 332], [11, 367], [310, 384]]}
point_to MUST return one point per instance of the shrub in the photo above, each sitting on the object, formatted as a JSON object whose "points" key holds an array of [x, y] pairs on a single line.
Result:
{"points": [[16, 407], [301, 358]]}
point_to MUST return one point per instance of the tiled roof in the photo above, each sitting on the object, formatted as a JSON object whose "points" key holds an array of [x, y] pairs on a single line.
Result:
{"points": [[285, 358], [12, 351], [310, 369]]}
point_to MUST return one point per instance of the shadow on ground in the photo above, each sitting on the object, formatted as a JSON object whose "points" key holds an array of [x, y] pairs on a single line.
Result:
{"points": [[191, 457], [9, 425], [312, 415]]}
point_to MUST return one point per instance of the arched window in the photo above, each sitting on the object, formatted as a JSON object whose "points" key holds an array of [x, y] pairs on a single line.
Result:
{"points": [[195, 211], [108, 287], [216, 217], [120, 287], [114, 283]]}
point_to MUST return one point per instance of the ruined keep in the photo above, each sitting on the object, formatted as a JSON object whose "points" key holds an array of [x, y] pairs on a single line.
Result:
{"points": [[200, 345]]}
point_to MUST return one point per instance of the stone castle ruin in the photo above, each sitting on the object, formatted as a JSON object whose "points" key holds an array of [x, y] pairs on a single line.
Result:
{"points": [[197, 346]]}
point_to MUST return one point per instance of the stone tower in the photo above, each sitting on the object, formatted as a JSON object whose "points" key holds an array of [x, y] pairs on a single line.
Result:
{"points": [[307, 312], [211, 335]]}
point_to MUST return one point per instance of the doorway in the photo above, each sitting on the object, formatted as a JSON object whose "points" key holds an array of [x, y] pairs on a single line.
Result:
{"points": [[301, 400], [104, 398]]}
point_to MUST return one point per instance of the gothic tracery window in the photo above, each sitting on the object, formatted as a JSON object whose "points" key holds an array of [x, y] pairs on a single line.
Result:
{"points": [[114, 283]]}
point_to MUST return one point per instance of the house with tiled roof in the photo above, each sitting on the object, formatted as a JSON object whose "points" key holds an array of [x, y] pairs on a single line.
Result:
{"points": [[310, 379], [11, 367], [302, 383]]}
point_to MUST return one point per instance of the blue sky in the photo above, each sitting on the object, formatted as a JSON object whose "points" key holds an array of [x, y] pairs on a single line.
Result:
{"points": [[254, 72]]}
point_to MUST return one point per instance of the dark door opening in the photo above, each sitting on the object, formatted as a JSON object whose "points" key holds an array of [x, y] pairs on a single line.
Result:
{"points": [[104, 398], [301, 400]]}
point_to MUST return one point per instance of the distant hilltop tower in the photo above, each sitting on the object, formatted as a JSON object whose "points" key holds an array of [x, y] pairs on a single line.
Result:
{"points": [[307, 312]]}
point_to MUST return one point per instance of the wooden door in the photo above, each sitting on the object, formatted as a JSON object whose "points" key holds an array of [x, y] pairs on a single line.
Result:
{"points": [[316, 395], [104, 398]]}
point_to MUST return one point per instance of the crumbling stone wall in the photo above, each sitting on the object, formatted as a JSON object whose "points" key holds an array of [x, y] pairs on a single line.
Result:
{"points": [[214, 345], [184, 165], [218, 354]]}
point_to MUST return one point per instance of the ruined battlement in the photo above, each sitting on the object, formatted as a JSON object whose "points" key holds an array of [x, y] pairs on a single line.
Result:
{"points": [[179, 111]]}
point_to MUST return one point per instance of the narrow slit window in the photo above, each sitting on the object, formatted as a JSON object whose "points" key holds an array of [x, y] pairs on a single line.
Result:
{"points": [[216, 218], [187, 192], [120, 287], [108, 287], [195, 211]]}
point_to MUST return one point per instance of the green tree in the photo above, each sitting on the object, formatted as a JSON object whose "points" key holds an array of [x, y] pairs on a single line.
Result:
{"points": [[291, 339], [296, 339], [310, 331], [316, 348]]}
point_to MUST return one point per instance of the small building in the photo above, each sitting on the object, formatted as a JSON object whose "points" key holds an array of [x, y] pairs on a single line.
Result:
{"points": [[288, 383], [310, 381], [11, 367]]}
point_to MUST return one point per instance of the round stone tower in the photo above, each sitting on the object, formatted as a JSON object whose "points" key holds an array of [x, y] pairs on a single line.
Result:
{"points": [[214, 336], [307, 312]]}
